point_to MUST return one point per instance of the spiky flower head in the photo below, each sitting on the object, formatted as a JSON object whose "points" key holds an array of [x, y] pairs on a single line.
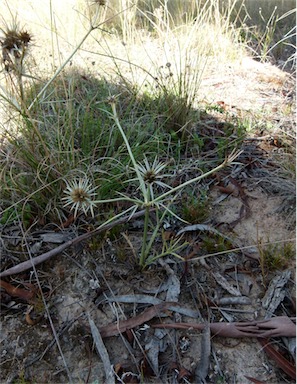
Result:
{"points": [[152, 173], [79, 195], [11, 39], [14, 39], [25, 37], [14, 45], [99, 2]]}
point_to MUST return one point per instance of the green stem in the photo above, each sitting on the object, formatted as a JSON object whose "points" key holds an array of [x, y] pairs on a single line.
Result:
{"points": [[169, 252], [59, 70], [173, 190], [115, 200], [154, 235], [140, 178], [143, 254]]}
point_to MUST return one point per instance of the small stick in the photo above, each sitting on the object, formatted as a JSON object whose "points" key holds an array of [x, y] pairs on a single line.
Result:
{"points": [[53, 252], [102, 352]]}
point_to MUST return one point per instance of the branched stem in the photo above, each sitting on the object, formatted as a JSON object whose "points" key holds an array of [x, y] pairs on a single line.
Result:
{"points": [[227, 161]]}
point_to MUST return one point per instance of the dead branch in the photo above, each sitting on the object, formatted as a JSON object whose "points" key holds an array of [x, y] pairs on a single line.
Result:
{"points": [[275, 327], [53, 252]]}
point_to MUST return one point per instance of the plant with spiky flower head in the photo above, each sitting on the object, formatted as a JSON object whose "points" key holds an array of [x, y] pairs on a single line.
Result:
{"points": [[79, 194], [148, 176]]}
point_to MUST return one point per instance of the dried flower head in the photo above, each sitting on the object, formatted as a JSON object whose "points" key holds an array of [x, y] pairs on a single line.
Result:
{"points": [[14, 46], [25, 37], [100, 2], [14, 39], [11, 40], [79, 195]]}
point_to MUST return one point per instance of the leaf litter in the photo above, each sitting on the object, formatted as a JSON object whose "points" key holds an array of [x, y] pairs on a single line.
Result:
{"points": [[170, 302], [141, 332]]}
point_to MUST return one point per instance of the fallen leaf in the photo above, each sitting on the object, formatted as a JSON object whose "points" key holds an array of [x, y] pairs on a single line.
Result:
{"points": [[22, 294], [222, 281], [184, 375], [282, 362], [102, 352], [68, 222], [230, 189], [201, 227], [221, 103], [29, 319], [121, 326], [202, 368]]}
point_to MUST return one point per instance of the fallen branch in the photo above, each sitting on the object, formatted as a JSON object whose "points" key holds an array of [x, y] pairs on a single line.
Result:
{"points": [[23, 294], [275, 327], [53, 252]]}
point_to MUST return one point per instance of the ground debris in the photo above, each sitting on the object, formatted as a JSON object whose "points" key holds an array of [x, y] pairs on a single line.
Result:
{"points": [[275, 293], [222, 281], [202, 368], [102, 351]]}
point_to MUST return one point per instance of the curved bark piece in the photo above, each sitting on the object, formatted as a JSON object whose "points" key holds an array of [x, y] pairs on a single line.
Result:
{"points": [[122, 326]]}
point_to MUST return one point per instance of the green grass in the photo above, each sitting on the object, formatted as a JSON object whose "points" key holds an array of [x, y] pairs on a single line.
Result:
{"points": [[75, 136], [275, 257]]}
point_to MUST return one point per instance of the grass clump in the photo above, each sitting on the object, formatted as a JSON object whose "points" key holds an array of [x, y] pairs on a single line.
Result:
{"points": [[215, 243], [195, 206], [267, 40], [69, 135], [275, 257]]}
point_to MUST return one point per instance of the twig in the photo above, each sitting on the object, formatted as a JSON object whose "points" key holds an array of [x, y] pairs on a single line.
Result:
{"points": [[279, 326], [102, 351], [202, 368], [53, 252]]}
